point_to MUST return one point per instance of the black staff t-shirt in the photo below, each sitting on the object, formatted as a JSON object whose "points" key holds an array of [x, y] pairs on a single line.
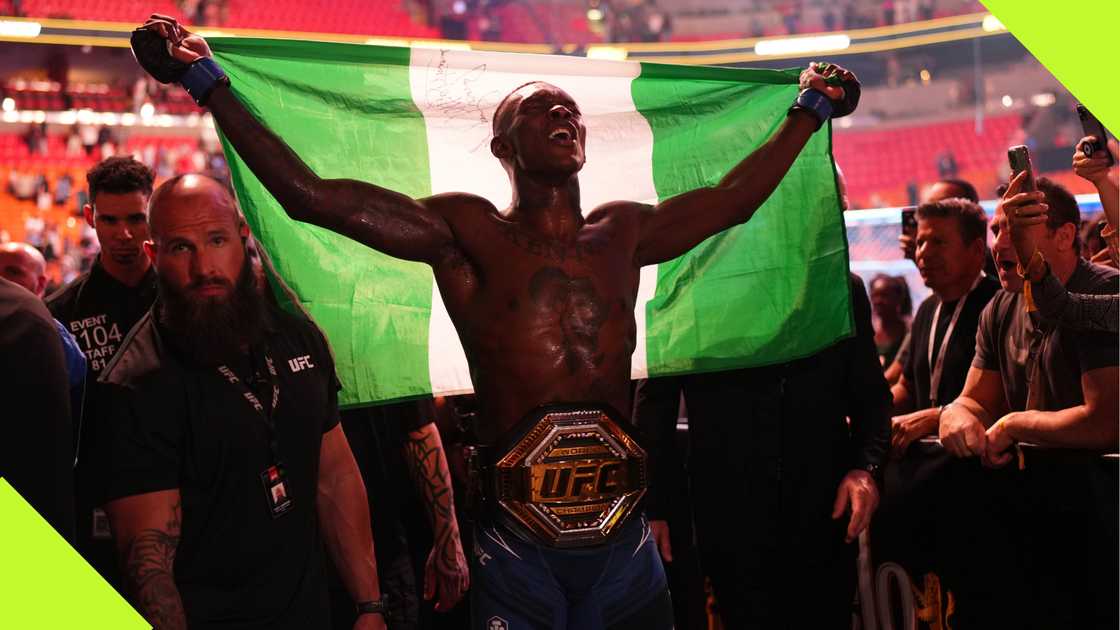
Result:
{"points": [[179, 426], [99, 310]]}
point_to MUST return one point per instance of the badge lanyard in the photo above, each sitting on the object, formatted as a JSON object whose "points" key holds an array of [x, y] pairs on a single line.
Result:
{"points": [[269, 414], [273, 478], [937, 362]]}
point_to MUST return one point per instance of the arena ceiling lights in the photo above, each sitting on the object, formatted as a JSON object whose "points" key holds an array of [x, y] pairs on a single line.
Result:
{"points": [[802, 45], [722, 52], [20, 29]]}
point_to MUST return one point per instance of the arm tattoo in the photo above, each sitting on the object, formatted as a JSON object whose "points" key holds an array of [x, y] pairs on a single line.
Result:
{"points": [[149, 571], [428, 466]]}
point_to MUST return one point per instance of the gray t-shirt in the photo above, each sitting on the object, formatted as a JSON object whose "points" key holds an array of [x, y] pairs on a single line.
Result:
{"points": [[1011, 341]]}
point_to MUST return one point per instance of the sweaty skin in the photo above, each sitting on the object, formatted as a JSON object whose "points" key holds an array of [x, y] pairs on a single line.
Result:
{"points": [[541, 296]]}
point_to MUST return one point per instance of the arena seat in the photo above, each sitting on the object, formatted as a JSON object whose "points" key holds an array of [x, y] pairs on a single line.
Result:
{"points": [[131, 11], [886, 159]]}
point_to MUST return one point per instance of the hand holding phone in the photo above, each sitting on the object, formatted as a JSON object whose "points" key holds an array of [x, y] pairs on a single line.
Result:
{"points": [[1093, 127], [906, 240], [1019, 157]]}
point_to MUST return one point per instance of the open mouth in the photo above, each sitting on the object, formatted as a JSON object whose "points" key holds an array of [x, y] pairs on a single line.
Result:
{"points": [[562, 135]]}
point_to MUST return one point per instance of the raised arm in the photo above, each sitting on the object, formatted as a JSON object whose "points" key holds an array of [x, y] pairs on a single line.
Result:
{"points": [[678, 224], [146, 530], [382, 219]]}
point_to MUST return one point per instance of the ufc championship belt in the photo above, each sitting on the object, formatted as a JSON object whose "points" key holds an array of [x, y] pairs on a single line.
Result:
{"points": [[572, 478]]}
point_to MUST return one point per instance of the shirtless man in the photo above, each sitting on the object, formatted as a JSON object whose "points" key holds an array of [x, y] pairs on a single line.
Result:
{"points": [[542, 297]]}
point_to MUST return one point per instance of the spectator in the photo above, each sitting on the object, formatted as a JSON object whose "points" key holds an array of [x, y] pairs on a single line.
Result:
{"points": [[1095, 169], [1062, 391], [1051, 385], [62, 189], [73, 143], [944, 189], [950, 257], [183, 490], [1054, 302], [946, 165], [36, 138], [23, 184], [88, 135], [890, 301]]}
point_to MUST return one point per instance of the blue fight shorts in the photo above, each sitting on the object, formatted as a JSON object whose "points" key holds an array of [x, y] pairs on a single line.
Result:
{"points": [[518, 585]]}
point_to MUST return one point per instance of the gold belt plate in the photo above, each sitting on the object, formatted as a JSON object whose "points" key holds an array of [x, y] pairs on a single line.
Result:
{"points": [[573, 478]]}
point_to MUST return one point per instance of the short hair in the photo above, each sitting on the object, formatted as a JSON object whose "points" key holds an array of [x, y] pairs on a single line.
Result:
{"points": [[119, 176], [500, 111], [971, 220], [1063, 207], [968, 189]]}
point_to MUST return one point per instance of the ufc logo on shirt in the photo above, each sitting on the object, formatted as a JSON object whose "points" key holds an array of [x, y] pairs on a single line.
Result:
{"points": [[300, 363]]}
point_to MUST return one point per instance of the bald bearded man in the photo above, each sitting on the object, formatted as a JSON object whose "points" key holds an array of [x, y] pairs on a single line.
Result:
{"points": [[227, 470]]}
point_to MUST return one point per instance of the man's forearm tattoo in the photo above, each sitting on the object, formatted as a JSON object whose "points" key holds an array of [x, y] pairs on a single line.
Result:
{"points": [[428, 466], [151, 579]]}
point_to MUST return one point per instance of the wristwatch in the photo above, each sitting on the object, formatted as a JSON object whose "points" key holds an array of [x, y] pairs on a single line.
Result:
{"points": [[373, 607]]}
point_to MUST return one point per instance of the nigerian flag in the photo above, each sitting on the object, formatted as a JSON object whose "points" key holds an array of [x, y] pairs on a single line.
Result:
{"points": [[418, 121]]}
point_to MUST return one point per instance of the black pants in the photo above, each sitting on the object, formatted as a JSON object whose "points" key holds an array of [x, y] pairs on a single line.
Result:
{"points": [[783, 563]]}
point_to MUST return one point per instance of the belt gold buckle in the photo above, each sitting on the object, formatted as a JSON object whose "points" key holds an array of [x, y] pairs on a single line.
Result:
{"points": [[573, 477]]}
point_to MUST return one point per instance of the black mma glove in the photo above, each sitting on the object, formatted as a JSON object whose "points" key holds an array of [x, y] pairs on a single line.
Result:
{"points": [[199, 77], [820, 105]]}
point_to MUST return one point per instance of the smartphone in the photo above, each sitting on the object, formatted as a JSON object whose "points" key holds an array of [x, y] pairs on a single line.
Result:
{"points": [[1093, 127], [1020, 160], [909, 221]]}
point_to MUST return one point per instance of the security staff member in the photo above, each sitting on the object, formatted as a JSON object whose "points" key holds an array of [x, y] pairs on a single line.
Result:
{"points": [[775, 442], [99, 308], [225, 455], [103, 304]]}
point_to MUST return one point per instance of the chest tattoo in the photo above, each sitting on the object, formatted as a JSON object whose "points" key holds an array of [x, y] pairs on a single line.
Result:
{"points": [[556, 251], [579, 309]]}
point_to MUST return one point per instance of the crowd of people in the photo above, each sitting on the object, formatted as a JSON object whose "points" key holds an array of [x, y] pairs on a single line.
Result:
{"points": [[184, 431]]}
